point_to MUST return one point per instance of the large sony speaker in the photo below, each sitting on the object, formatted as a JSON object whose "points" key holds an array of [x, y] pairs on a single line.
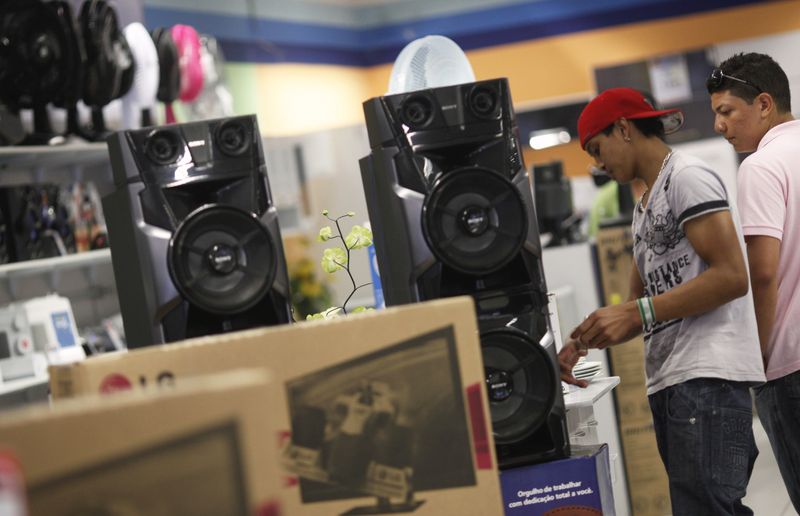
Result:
{"points": [[452, 213], [196, 246]]}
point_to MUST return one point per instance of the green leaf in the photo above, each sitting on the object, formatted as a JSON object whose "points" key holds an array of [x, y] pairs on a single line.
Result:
{"points": [[328, 313], [361, 309], [325, 234], [358, 237], [325, 212], [333, 259], [332, 312], [351, 214]]}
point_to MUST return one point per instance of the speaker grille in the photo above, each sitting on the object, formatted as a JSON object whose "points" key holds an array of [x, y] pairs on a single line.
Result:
{"points": [[474, 220], [222, 259], [521, 382]]}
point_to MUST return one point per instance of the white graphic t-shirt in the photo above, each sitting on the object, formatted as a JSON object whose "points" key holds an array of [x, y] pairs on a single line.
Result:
{"points": [[721, 343]]}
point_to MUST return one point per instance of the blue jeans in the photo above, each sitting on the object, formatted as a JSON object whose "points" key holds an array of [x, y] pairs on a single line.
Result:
{"points": [[704, 431], [778, 405]]}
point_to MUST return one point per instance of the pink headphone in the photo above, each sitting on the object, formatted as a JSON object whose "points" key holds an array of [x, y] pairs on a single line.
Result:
{"points": [[188, 43]]}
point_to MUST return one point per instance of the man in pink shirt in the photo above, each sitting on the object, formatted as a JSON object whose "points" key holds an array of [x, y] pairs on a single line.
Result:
{"points": [[751, 101]]}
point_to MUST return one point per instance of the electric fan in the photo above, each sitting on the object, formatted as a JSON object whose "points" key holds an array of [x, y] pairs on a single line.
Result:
{"points": [[37, 63], [430, 62], [109, 62], [142, 95]]}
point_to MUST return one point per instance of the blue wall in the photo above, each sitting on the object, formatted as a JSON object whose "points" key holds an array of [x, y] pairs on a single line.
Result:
{"points": [[268, 31]]}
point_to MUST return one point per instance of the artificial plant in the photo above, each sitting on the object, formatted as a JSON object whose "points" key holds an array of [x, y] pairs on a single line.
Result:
{"points": [[337, 258]]}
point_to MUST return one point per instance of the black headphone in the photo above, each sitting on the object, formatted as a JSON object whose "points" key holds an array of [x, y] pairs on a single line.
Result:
{"points": [[169, 83], [34, 54], [74, 55], [109, 64]]}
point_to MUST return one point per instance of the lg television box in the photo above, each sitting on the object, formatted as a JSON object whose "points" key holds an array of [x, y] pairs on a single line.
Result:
{"points": [[382, 412], [579, 485], [203, 448]]}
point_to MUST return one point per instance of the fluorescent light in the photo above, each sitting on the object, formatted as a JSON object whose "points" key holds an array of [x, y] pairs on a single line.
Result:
{"points": [[549, 138]]}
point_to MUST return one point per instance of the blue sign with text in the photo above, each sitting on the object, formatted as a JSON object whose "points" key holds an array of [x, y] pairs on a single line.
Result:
{"points": [[579, 485]]}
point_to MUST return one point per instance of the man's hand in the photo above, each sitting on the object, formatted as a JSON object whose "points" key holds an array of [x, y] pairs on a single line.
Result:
{"points": [[609, 325], [567, 358]]}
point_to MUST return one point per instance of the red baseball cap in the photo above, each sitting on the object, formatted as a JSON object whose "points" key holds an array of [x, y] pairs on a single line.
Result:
{"points": [[616, 103]]}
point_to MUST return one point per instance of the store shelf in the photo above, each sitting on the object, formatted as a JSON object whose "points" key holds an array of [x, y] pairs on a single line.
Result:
{"points": [[24, 392], [56, 264], [586, 397], [11, 273], [22, 384], [23, 165]]}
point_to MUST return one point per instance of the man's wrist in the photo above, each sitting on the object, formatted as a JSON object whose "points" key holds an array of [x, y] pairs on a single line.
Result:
{"points": [[646, 310]]}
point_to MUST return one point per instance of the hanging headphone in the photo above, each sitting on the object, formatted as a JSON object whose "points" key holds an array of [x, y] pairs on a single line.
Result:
{"points": [[142, 95], [188, 43], [72, 90], [109, 66], [191, 70], [35, 61], [169, 82]]}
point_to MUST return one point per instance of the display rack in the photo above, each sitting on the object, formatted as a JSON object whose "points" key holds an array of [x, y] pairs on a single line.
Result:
{"points": [[11, 274], [59, 164], [22, 165], [73, 162], [76, 161], [579, 403]]}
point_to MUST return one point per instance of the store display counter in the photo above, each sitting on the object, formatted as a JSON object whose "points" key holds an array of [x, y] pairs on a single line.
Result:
{"points": [[579, 403]]}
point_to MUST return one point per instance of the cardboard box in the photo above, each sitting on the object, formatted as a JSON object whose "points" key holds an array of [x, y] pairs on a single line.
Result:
{"points": [[386, 405], [579, 485], [647, 481], [205, 448]]}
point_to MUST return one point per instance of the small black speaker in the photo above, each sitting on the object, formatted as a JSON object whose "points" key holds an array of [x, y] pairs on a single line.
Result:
{"points": [[196, 246], [452, 213]]}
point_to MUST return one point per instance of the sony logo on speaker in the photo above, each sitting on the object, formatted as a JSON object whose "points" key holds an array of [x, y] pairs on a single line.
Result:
{"points": [[115, 382]]}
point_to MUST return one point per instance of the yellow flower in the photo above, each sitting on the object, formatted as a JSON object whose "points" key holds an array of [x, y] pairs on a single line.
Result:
{"points": [[310, 289]]}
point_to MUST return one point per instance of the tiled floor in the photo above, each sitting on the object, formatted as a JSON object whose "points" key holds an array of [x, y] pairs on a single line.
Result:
{"points": [[766, 494]]}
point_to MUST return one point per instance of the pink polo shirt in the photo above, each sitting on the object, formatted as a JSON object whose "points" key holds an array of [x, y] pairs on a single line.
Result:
{"points": [[768, 185]]}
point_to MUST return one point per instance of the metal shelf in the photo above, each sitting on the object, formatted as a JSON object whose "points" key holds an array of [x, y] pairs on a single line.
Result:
{"points": [[51, 268], [78, 161]]}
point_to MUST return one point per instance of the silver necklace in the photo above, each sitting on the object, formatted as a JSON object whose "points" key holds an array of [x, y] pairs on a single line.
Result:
{"points": [[663, 166]]}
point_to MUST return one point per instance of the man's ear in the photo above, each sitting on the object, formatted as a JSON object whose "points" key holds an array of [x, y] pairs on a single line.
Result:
{"points": [[766, 104], [624, 128]]}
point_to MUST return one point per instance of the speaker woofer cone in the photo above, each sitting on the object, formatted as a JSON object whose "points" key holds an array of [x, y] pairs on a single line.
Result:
{"points": [[222, 259], [521, 383], [474, 220]]}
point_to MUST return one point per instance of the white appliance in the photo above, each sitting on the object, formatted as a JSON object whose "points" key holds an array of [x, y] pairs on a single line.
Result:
{"points": [[35, 334]]}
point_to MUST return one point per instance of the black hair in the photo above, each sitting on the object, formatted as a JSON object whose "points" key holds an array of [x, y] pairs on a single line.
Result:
{"points": [[761, 71], [647, 126]]}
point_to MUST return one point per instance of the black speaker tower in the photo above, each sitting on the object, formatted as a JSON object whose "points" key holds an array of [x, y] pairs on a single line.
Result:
{"points": [[452, 213], [196, 246]]}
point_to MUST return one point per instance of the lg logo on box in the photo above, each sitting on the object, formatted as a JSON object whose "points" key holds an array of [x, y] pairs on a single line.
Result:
{"points": [[118, 382]]}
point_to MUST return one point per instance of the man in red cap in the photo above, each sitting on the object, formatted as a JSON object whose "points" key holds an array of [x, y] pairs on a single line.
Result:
{"points": [[689, 294]]}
